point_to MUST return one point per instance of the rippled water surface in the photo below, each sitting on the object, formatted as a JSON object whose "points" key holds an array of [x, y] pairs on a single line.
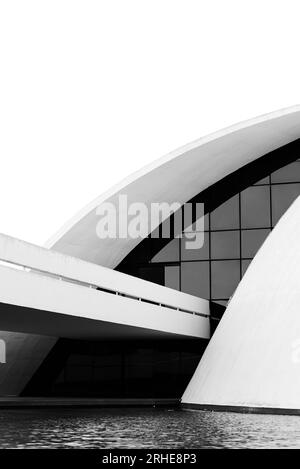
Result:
{"points": [[145, 428]]}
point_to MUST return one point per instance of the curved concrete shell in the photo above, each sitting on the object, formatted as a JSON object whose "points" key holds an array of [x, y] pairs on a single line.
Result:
{"points": [[252, 361], [177, 177]]}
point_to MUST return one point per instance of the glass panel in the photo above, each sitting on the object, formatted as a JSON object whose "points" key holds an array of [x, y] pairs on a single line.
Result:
{"points": [[225, 278], [282, 198], [167, 226], [225, 244], [252, 240], [289, 173], [245, 265], [170, 253], [203, 221], [221, 302], [138, 365], [172, 277], [255, 207], [152, 274], [195, 278], [78, 374], [195, 254], [78, 360], [263, 181], [226, 216]]}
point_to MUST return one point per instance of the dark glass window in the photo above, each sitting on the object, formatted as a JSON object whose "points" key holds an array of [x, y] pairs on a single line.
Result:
{"points": [[225, 278], [118, 369], [245, 265], [226, 216], [221, 302], [252, 240], [172, 276], [255, 207], [77, 374], [195, 278], [283, 195], [203, 223], [195, 254], [289, 173], [153, 274], [170, 253], [225, 245], [138, 367], [263, 181]]}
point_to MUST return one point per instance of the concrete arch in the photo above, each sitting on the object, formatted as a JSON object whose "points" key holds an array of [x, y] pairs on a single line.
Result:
{"points": [[178, 177]]}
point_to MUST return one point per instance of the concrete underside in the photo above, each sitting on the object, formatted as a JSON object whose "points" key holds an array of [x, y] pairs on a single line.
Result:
{"points": [[28, 320]]}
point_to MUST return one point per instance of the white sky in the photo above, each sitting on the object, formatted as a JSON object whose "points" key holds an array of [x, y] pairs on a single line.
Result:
{"points": [[91, 91]]}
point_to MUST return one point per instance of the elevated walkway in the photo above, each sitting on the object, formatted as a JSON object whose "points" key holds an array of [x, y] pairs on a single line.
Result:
{"points": [[48, 293]]}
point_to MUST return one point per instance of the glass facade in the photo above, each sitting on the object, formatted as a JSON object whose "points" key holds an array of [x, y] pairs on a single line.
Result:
{"points": [[117, 369], [234, 231]]}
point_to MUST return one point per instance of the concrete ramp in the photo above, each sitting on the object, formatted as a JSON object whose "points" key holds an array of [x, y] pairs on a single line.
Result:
{"points": [[44, 292], [39, 304], [45, 295]]}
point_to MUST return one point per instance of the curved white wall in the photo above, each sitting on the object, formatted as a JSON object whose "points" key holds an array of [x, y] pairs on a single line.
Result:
{"points": [[177, 177], [253, 359]]}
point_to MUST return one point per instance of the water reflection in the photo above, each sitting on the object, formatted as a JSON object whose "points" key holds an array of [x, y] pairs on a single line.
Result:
{"points": [[145, 428]]}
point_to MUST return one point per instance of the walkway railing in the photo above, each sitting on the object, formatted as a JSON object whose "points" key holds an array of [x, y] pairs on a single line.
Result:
{"points": [[28, 257]]}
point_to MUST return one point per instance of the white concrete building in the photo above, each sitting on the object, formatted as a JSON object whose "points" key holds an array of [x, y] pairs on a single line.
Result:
{"points": [[128, 317]]}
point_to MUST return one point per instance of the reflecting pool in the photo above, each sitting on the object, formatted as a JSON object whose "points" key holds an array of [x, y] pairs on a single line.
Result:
{"points": [[145, 428]]}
